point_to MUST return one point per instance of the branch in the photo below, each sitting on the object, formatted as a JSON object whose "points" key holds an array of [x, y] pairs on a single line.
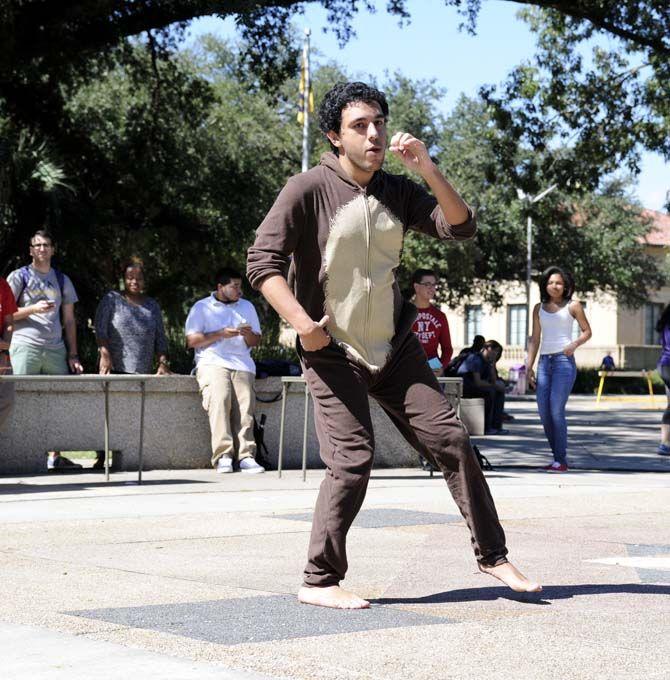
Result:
{"points": [[106, 27], [600, 21]]}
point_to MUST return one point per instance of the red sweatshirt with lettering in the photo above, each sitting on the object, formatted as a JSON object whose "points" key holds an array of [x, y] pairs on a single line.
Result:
{"points": [[432, 329]]}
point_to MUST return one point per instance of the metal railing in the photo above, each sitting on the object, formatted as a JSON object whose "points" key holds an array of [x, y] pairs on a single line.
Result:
{"points": [[105, 380], [287, 381]]}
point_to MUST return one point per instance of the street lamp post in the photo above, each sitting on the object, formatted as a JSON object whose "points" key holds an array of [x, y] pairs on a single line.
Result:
{"points": [[529, 248]]}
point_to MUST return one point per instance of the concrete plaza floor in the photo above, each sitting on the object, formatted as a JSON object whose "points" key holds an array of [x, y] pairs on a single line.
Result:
{"points": [[193, 574]]}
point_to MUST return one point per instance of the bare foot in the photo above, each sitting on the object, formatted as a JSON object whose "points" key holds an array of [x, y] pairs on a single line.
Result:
{"points": [[331, 596], [512, 577]]}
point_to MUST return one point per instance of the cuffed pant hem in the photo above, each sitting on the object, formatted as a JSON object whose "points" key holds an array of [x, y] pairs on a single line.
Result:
{"points": [[325, 584], [492, 561], [217, 456]]}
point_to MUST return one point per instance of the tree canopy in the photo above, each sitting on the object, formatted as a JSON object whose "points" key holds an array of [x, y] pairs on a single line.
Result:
{"points": [[609, 104], [125, 145]]}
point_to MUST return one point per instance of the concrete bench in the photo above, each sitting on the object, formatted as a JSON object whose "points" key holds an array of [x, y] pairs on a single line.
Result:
{"points": [[451, 387], [473, 416], [68, 415]]}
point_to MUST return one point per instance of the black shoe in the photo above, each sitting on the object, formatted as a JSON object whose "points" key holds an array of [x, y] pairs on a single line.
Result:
{"points": [[62, 463], [426, 466]]}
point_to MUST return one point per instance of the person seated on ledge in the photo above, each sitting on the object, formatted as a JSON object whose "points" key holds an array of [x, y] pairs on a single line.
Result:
{"points": [[480, 381], [451, 369]]}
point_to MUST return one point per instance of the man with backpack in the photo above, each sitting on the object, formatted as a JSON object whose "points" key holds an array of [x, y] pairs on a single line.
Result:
{"points": [[45, 332]]}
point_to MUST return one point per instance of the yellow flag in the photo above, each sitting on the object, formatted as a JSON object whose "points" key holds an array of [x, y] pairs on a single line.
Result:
{"points": [[310, 100]]}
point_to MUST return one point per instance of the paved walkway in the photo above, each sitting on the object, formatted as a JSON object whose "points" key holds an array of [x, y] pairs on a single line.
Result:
{"points": [[193, 574], [619, 434]]}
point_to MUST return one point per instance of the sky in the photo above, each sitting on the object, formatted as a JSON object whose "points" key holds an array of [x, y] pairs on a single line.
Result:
{"points": [[431, 47]]}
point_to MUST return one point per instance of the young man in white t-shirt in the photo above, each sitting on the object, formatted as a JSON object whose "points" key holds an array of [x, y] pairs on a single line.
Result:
{"points": [[222, 329]]}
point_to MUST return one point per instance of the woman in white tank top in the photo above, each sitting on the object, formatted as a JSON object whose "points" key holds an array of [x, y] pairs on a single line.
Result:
{"points": [[553, 320]]}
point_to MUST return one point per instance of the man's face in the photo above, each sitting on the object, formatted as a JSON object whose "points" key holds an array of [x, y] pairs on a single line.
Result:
{"points": [[426, 287], [231, 291], [41, 250], [361, 141]]}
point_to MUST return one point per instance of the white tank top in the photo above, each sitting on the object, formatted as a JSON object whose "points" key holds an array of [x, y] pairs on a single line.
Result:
{"points": [[556, 330]]}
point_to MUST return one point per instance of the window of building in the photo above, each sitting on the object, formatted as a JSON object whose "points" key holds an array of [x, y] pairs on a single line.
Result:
{"points": [[652, 313], [516, 325], [576, 330], [473, 322]]}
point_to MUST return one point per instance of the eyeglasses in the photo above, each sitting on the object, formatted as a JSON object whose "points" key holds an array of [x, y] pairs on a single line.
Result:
{"points": [[41, 245], [429, 285]]}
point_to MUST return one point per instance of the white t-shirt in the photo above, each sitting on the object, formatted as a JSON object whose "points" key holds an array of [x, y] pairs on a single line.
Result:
{"points": [[209, 315]]}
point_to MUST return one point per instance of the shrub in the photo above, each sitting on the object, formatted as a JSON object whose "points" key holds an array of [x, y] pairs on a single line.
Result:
{"points": [[587, 383]]}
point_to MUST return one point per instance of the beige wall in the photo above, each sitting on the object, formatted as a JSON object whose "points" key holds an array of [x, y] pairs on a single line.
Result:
{"points": [[630, 326]]}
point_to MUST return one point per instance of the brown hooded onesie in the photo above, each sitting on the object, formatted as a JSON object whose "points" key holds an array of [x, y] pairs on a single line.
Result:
{"points": [[346, 242]]}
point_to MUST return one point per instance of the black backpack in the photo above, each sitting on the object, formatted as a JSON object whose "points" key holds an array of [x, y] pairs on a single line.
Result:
{"points": [[482, 459], [24, 273], [451, 369], [262, 453]]}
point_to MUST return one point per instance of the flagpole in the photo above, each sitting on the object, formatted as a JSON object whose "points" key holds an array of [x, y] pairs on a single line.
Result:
{"points": [[305, 102]]}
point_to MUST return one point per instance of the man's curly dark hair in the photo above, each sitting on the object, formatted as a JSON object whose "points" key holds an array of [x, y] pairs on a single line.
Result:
{"points": [[336, 100]]}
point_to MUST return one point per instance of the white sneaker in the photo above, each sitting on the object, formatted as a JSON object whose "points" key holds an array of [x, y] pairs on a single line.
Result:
{"points": [[224, 465], [250, 466]]}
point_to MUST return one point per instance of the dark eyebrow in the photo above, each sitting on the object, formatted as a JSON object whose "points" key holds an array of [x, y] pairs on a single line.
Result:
{"points": [[381, 116]]}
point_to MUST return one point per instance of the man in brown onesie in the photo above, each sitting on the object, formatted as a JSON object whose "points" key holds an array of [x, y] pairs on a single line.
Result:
{"points": [[344, 222]]}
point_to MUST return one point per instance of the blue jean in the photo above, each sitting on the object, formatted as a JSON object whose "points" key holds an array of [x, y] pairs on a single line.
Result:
{"points": [[556, 375]]}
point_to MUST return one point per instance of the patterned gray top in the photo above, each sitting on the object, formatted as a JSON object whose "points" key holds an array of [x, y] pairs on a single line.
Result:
{"points": [[133, 332]]}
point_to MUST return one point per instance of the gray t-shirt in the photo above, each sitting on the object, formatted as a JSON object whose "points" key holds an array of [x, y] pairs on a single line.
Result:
{"points": [[40, 330], [133, 332]]}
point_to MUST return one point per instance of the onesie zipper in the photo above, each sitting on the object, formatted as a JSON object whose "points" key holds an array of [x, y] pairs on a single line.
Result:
{"points": [[368, 241]]}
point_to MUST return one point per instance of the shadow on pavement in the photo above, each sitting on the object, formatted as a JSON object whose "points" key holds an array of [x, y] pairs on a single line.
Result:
{"points": [[437, 476], [21, 487], [548, 593]]}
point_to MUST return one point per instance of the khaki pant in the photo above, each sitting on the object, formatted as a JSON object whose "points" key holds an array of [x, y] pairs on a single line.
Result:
{"points": [[229, 398]]}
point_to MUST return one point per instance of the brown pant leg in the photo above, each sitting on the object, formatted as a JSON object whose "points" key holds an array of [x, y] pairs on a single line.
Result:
{"points": [[346, 441], [409, 392]]}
